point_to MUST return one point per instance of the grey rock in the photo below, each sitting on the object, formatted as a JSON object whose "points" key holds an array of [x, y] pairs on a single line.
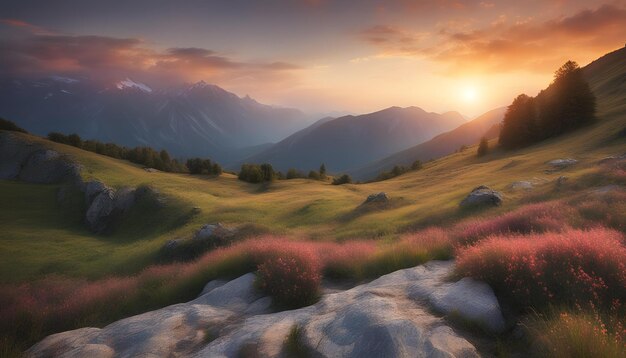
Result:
{"points": [[217, 234], [211, 285], [470, 299], [172, 244], [388, 317], [31, 162], [562, 163], [482, 196], [124, 199], [236, 295], [13, 153], [92, 189], [560, 181], [521, 185], [377, 198], [101, 211]]}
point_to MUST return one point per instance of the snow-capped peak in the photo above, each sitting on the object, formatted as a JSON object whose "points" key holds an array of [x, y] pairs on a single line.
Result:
{"points": [[128, 83], [64, 79]]}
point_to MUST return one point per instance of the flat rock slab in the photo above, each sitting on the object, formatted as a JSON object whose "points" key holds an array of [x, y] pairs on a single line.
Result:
{"points": [[391, 316]]}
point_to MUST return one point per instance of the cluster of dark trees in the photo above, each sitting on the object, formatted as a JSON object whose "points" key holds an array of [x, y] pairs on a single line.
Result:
{"points": [[257, 173], [145, 156], [7, 125], [567, 104], [399, 170], [342, 179], [483, 147], [202, 166]]}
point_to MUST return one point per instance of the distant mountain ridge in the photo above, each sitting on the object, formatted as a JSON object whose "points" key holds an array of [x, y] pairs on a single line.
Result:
{"points": [[467, 134], [188, 120], [350, 141]]}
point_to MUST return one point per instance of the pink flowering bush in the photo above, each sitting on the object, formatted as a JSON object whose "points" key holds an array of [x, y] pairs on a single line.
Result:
{"points": [[576, 268], [410, 250], [606, 207], [291, 278], [532, 218]]}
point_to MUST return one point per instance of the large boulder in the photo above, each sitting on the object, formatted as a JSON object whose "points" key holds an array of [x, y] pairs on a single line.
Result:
{"points": [[208, 237], [101, 211], [105, 205], [214, 235], [482, 196], [31, 162], [388, 317]]}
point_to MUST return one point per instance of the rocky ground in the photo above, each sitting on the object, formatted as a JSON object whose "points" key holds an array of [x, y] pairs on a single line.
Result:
{"points": [[397, 315]]}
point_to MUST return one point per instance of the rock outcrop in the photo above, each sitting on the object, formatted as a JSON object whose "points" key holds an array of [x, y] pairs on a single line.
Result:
{"points": [[26, 160], [562, 163], [105, 205], [482, 196], [208, 237], [389, 317], [33, 163], [377, 198], [522, 185]]}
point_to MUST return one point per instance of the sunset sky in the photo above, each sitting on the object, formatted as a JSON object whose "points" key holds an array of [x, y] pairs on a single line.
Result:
{"points": [[316, 55]]}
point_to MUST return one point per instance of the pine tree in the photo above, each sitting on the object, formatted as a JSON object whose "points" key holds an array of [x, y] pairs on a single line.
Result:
{"points": [[322, 171], [483, 147]]}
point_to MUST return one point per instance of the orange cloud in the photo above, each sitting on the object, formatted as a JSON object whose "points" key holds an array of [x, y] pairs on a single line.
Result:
{"points": [[529, 45]]}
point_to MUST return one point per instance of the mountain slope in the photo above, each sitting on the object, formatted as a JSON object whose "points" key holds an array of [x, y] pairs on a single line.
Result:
{"points": [[605, 75], [350, 141], [195, 120], [443, 144]]}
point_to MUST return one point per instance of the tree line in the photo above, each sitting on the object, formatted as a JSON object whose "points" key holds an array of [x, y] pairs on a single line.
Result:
{"points": [[399, 170], [257, 173], [146, 156], [567, 104]]}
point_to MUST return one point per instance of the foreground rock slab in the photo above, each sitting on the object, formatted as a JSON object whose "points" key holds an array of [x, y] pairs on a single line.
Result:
{"points": [[397, 315]]}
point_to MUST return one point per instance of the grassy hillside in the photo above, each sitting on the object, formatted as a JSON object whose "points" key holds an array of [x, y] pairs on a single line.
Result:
{"points": [[39, 237]]}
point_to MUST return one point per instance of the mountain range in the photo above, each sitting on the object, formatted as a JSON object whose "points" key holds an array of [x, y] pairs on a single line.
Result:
{"points": [[352, 141], [486, 125], [188, 120]]}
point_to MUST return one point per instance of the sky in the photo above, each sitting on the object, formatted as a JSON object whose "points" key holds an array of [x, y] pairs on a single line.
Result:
{"points": [[322, 56]]}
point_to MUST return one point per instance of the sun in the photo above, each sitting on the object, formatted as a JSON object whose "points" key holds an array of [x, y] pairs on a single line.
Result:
{"points": [[469, 94]]}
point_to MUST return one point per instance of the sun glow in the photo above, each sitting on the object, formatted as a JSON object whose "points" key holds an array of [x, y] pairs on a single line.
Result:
{"points": [[469, 94]]}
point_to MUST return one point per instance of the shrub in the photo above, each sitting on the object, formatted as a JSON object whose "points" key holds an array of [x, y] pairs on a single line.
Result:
{"points": [[409, 251], [198, 165], [323, 171], [573, 268], [314, 175], [347, 260], [251, 173], [603, 208], [294, 173], [292, 278], [254, 173], [483, 147], [10, 126], [344, 179], [578, 335], [540, 217], [293, 344]]}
